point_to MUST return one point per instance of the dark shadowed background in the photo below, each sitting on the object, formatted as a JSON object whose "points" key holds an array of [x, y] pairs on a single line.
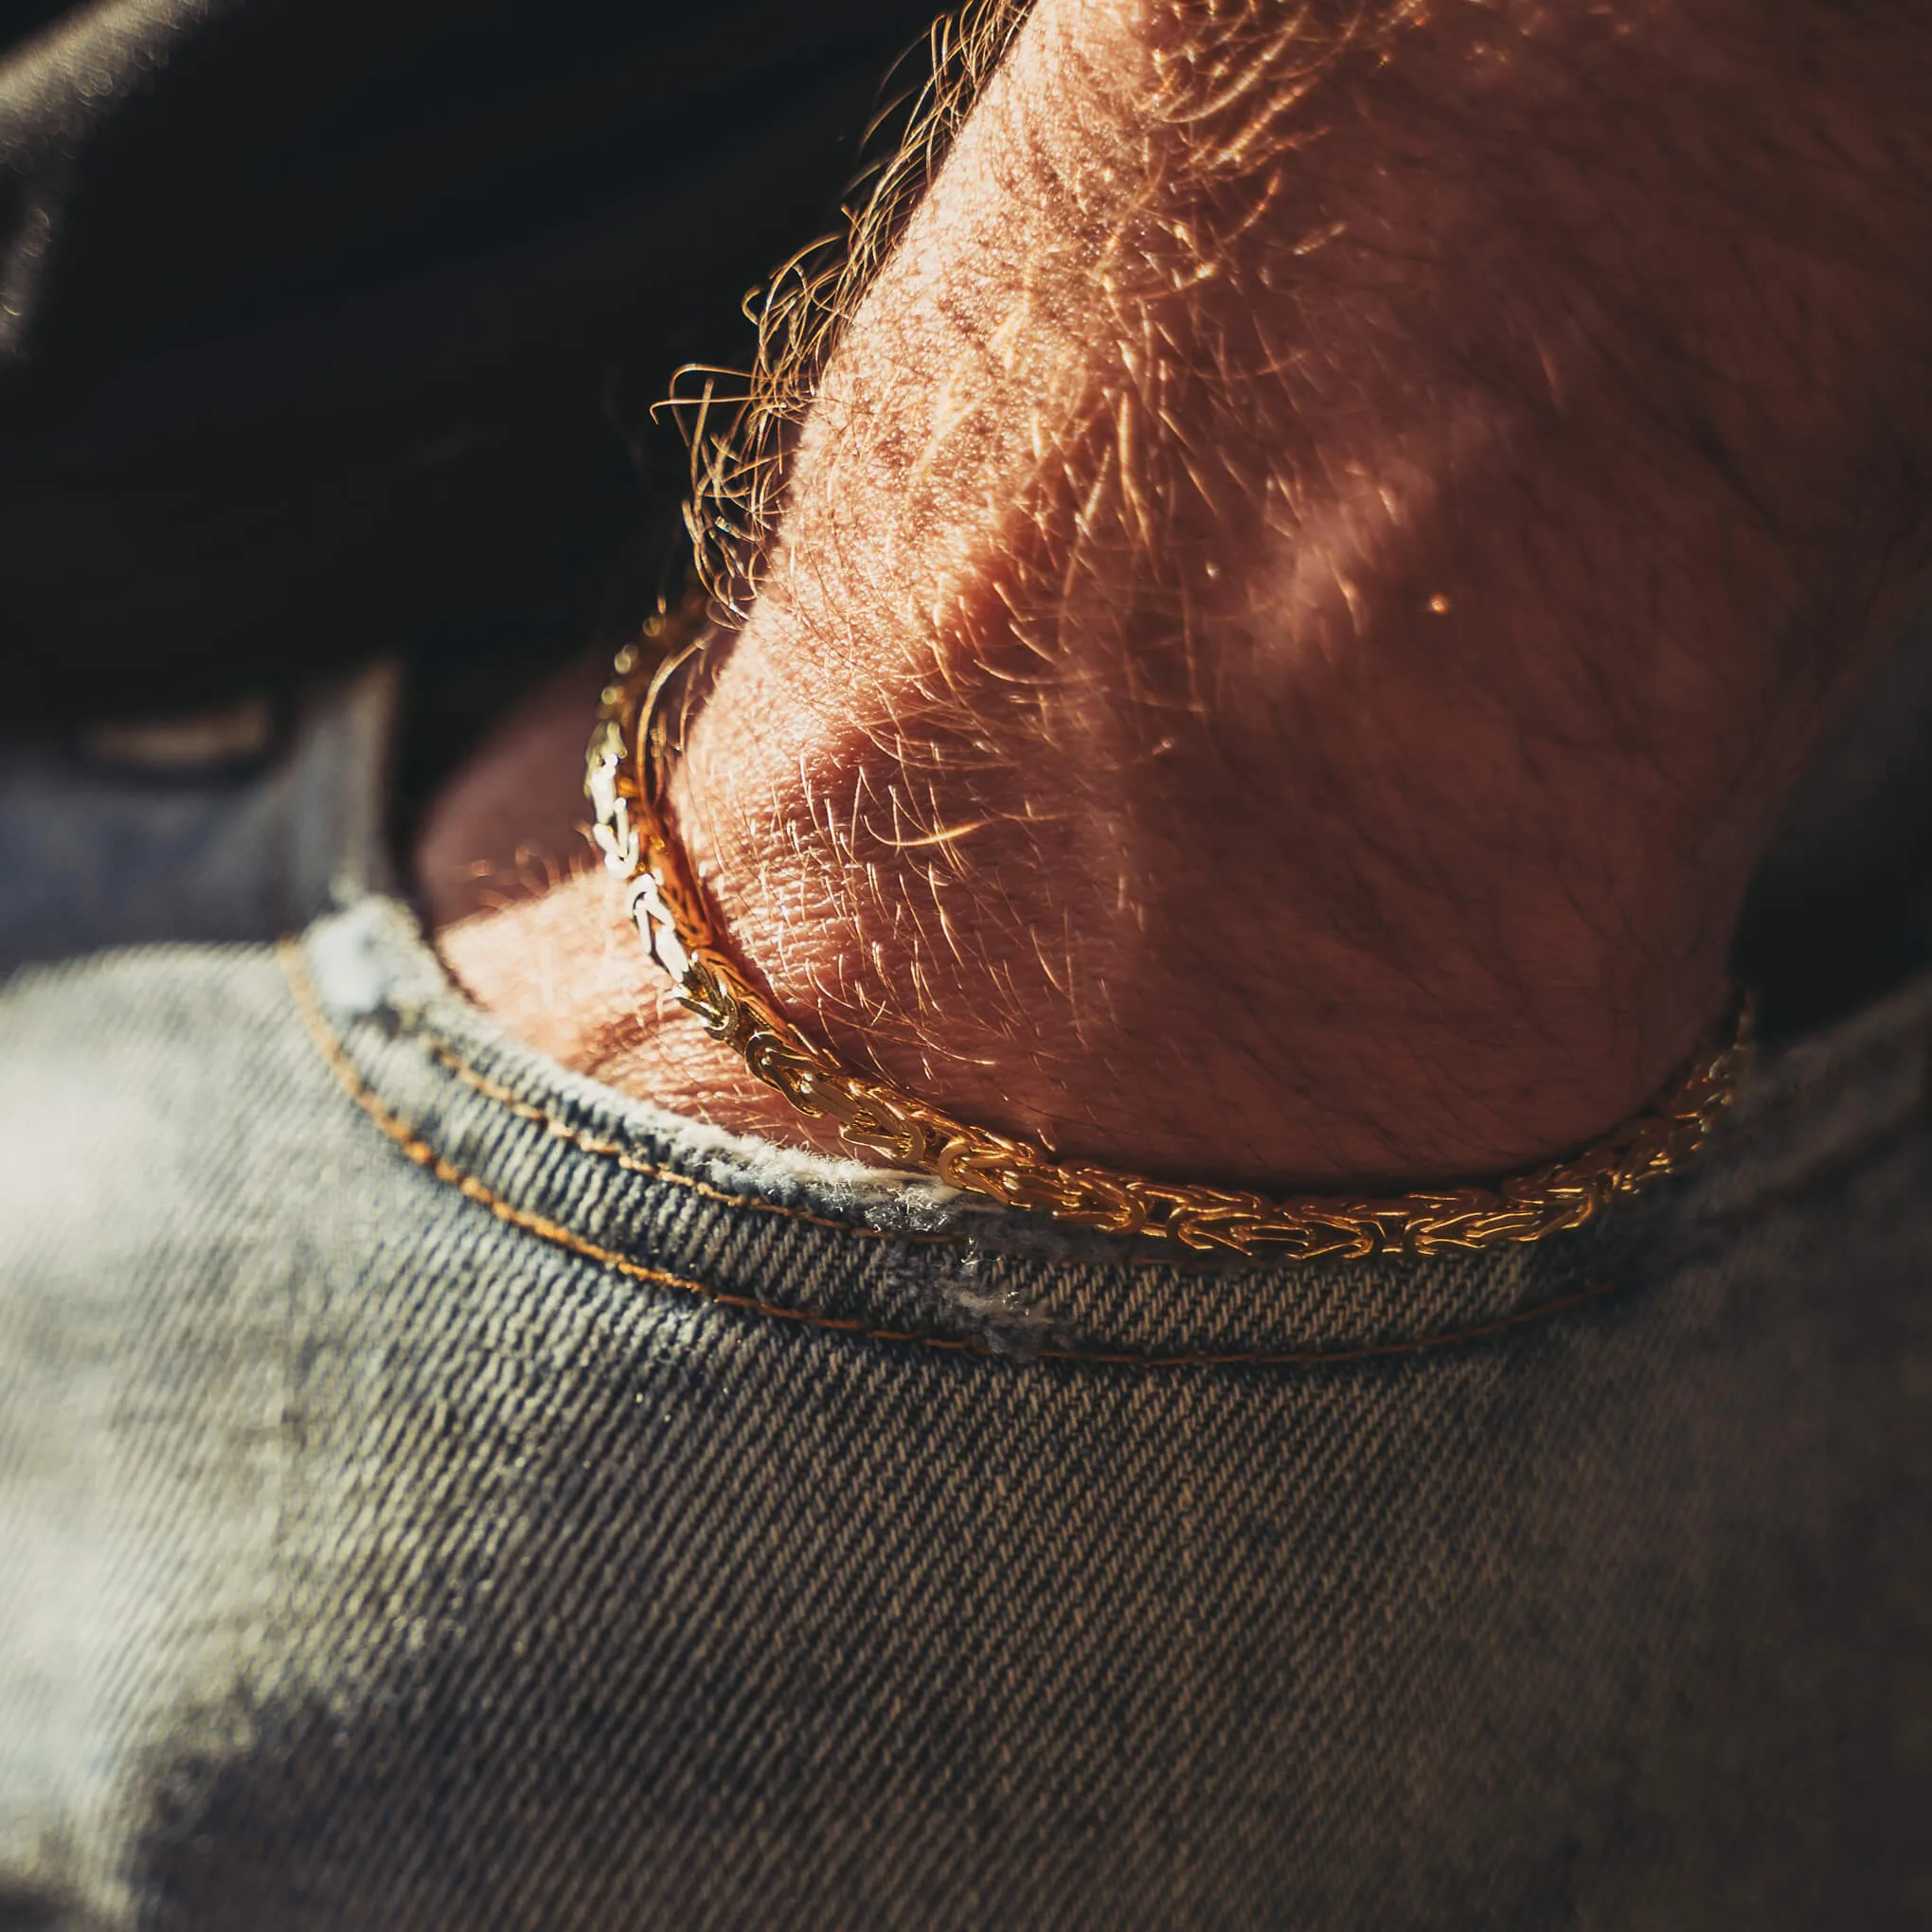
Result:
{"points": [[330, 329]]}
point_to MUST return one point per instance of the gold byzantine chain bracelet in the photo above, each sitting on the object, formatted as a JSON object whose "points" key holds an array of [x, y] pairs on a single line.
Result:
{"points": [[625, 784]]}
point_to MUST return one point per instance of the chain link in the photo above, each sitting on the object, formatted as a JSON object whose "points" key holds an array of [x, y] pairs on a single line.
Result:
{"points": [[624, 782]]}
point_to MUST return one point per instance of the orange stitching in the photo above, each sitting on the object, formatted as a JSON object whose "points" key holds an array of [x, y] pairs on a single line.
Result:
{"points": [[446, 1056], [610, 1150], [1736, 1133], [425, 1156]]}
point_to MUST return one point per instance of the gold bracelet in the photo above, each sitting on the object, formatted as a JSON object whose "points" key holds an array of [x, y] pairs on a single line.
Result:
{"points": [[625, 782]]}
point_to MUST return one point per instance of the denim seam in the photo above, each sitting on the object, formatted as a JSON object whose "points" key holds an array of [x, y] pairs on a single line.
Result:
{"points": [[424, 1155], [1736, 1133], [445, 1055], [416, 1148]]}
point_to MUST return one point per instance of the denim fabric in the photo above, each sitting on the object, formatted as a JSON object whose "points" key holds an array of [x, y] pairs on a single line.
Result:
{"points": [[438, 1493]]}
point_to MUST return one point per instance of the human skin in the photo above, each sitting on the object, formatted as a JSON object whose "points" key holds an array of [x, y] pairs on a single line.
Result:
{"points": [[1309, 578]]}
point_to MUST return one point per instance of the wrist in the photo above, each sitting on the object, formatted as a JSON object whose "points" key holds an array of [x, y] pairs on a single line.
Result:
{"points": [[1316, 723], [871, 1113], [1378, 803]]}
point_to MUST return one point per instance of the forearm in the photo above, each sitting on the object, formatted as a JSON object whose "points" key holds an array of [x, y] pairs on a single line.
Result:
{"points": [[1313, 566]]}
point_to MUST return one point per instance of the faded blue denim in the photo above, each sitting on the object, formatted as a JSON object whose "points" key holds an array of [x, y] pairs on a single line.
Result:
{"points": [[437, 1493]]}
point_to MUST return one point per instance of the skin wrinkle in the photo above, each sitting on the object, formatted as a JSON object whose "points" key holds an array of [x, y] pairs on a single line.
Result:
{"points": [[1222, 350]]}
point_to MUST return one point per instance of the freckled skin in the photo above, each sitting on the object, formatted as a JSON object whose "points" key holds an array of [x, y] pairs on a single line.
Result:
{"points": [[1312, 572]]}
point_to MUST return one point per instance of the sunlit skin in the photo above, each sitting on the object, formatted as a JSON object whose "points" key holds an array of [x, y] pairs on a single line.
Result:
{"points": [[1312, 570]]}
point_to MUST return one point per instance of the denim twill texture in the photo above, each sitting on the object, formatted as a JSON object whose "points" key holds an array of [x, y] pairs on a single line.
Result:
{"points": [[438, 1493]]}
